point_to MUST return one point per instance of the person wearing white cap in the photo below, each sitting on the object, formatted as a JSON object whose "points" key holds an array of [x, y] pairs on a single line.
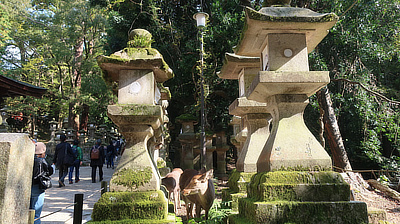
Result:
{"points": [[41, 170]]}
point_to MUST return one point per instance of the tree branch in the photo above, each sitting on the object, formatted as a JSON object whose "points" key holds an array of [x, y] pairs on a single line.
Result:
{"points": [[368, 90]]}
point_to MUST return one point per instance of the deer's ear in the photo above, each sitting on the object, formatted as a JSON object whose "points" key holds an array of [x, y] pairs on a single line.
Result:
{"points": [[210, 174], [205, 176]]}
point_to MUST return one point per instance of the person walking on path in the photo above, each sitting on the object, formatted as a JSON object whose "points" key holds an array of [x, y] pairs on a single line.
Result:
{"points": [[77, 163], [111, 152], [63, 150], [97, 160], [41, 169]]}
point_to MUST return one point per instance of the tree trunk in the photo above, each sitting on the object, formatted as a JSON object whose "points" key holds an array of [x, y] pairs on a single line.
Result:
{"points": [[332, 131], [84, 117], [73, 118]]}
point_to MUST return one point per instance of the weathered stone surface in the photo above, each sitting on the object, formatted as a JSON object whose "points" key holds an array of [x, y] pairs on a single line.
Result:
{"points": [[259, 24], [136, 87], [269, 83], [139, 114], [137, 56], [234, 64], [16, 165], [242, 106], [291, 146], [277, 212], [127, 115], [258, 127], [136, 170], [238, 181], [298, 186], [232, 198]]}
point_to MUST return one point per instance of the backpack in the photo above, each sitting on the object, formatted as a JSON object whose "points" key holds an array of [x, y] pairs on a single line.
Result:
{"points": [[75, 151], [95, 153]]}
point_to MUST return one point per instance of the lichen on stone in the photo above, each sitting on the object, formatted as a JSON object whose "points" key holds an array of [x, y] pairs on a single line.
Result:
{"points": [[140, 109], [131, 178]]}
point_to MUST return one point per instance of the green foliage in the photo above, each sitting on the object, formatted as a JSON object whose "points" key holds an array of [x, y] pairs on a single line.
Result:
{"points": [[140, 41], [218, 214], [362, 47], [4, 25], [53, 44]]}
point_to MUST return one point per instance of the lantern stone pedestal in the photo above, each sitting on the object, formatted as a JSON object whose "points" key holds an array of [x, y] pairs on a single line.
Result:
{"points": [[137, 124], [135, 186]]}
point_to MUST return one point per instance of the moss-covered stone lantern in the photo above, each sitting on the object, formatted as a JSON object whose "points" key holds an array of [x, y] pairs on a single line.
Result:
{"points": [[137, 69], [294, 182], [188, 140]]}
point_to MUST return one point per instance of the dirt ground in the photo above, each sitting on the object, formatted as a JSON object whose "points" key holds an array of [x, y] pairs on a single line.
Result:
{"points": [[374, 198]]}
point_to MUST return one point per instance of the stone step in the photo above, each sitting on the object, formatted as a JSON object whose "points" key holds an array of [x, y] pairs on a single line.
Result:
{"points": [[278, 212]]}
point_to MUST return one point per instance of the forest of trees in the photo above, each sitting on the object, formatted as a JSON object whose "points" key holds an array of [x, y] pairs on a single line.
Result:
{"points": [[54, 44]]}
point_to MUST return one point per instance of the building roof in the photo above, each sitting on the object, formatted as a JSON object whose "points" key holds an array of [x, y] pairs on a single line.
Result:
{"points": [[11, 88]]}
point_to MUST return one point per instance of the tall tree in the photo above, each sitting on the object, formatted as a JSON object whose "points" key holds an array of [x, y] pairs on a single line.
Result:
{"points": [[56, 45]]}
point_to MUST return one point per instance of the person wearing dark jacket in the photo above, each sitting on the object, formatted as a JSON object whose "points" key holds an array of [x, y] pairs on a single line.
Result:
{"points": [[62, 150], [97, 158], [111, 153], [40, 168], [77, 162]]}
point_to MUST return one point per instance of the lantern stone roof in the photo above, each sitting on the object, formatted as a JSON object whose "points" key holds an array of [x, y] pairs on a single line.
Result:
{"points": [[233, 65], [139, 55], [282, 20], [10, 88]]}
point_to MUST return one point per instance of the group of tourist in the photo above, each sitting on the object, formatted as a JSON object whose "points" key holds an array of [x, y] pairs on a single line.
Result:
{"points": [[68, 159]]}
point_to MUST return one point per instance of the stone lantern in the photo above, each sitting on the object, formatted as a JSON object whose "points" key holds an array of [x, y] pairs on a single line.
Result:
{"points": [[255, 119], [65, 123], [3, 120], [58, 133], [294, 182], [235, 122], [188, 140], [53, 128], [137, 69], [91, 130], [221, 147], [82, 137], [284, 36]]}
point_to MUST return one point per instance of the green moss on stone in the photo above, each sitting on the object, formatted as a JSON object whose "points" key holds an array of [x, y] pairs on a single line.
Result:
{"points": [[140, 38], [140, 109], [278, 212], [298, 186], [149, 205], [133, 178], [140, 42], [238, 181], [164, 90], [237, 219]]}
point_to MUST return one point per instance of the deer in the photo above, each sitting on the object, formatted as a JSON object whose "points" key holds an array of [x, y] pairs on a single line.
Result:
{"points": [[197, 189], [171, 182]]}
